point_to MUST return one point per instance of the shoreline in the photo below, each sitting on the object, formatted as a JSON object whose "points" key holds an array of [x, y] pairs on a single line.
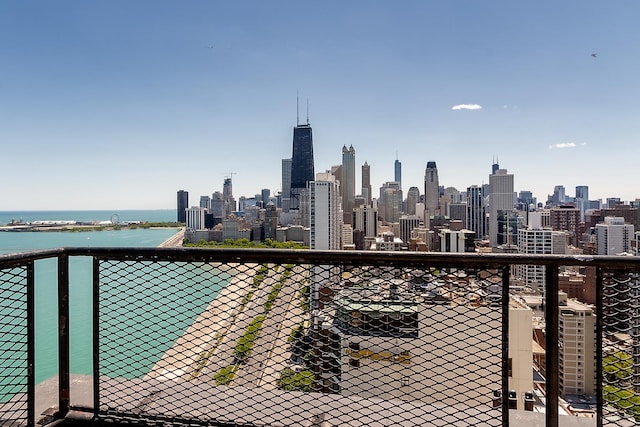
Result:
{"points": [[181, 359], [174, 241], [71, 228]]}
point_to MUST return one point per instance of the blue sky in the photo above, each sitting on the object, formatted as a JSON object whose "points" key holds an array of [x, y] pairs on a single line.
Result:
{"points": [[119, 104]]}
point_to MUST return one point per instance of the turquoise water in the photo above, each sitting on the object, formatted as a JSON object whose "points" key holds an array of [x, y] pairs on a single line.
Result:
{"points": [[201, 283]]}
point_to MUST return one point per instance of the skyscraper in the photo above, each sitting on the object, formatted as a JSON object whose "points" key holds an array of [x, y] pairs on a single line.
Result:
{"points": [[325, 212], [558, 195], [390, 202], [413, 197], [286, 185], [227, 197], [476, 211], [366, 220], [217, 206], [501, 202], [582, 199], [431, 189], [265, 194], [302, 170], [366, 183], [348, 182], [538, 240], [205, 202], [397, 171], [183, 204]]}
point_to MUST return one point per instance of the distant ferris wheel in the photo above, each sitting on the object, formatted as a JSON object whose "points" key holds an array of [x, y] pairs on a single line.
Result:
{"points": [[115, 219]]}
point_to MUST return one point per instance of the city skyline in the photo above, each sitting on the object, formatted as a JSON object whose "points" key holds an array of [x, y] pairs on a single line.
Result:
{"points": [[114, 106]]}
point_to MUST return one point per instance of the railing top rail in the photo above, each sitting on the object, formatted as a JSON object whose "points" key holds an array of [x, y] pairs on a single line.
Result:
{"points": [[330, 257], [21, 257]]}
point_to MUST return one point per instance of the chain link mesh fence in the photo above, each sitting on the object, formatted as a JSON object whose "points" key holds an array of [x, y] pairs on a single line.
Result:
{"points": [[296, 344], [188, 339], [14, 342], [621, 347]]}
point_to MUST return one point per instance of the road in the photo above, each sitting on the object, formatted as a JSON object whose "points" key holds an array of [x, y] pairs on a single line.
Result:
{"points": [[270, 353]]}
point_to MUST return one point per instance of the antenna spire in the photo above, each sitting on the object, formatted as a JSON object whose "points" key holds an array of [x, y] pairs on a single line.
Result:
{"points": [[297, 109], [307, 111]]}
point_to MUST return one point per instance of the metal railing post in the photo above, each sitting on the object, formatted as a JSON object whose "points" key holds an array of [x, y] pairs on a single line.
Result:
{"points": [[95, 308], [599, 332], [552, 352], [505, 345], [63, 336], [31, 346]]}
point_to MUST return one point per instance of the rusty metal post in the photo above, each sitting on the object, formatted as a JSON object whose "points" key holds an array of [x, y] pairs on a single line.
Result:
{"points": [[63, 336]]}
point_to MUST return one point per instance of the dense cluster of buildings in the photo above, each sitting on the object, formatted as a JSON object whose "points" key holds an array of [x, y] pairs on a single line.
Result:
{"points": [[486, 217], [326, 211]]}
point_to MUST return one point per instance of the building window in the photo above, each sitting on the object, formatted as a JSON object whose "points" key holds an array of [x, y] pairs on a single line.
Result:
{"points": [[354, 362], [510, 367]]}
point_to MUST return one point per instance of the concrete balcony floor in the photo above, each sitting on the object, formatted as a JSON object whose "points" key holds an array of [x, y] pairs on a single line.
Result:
{"points": [[242, 406]]}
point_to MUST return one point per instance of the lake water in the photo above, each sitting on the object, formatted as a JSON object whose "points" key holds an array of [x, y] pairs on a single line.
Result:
{"points": [[200, 290]]}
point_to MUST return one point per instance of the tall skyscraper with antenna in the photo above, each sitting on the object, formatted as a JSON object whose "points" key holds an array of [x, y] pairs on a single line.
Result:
{"points": [[302, 170], [366, 183], [397, 171]]}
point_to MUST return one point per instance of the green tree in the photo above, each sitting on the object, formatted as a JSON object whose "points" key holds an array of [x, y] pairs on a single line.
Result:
{"points": [[295, 381], [618, 366], [225, 375]]}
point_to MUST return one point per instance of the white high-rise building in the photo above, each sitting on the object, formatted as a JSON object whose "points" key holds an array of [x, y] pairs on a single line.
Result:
{"points": [[195, 218], [325, 212], [456, 241], [539, 241], [576, 339], [501, 198], [613, 237], [366, 219], [347, 237], [407, 224]]}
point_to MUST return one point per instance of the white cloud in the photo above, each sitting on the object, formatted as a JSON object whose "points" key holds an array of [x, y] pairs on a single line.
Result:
{"points": [[567, 145], [467, 107]]}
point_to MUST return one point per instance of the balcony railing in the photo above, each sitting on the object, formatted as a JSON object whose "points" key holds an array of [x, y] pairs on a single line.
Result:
{"points": [[275, 337]]}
